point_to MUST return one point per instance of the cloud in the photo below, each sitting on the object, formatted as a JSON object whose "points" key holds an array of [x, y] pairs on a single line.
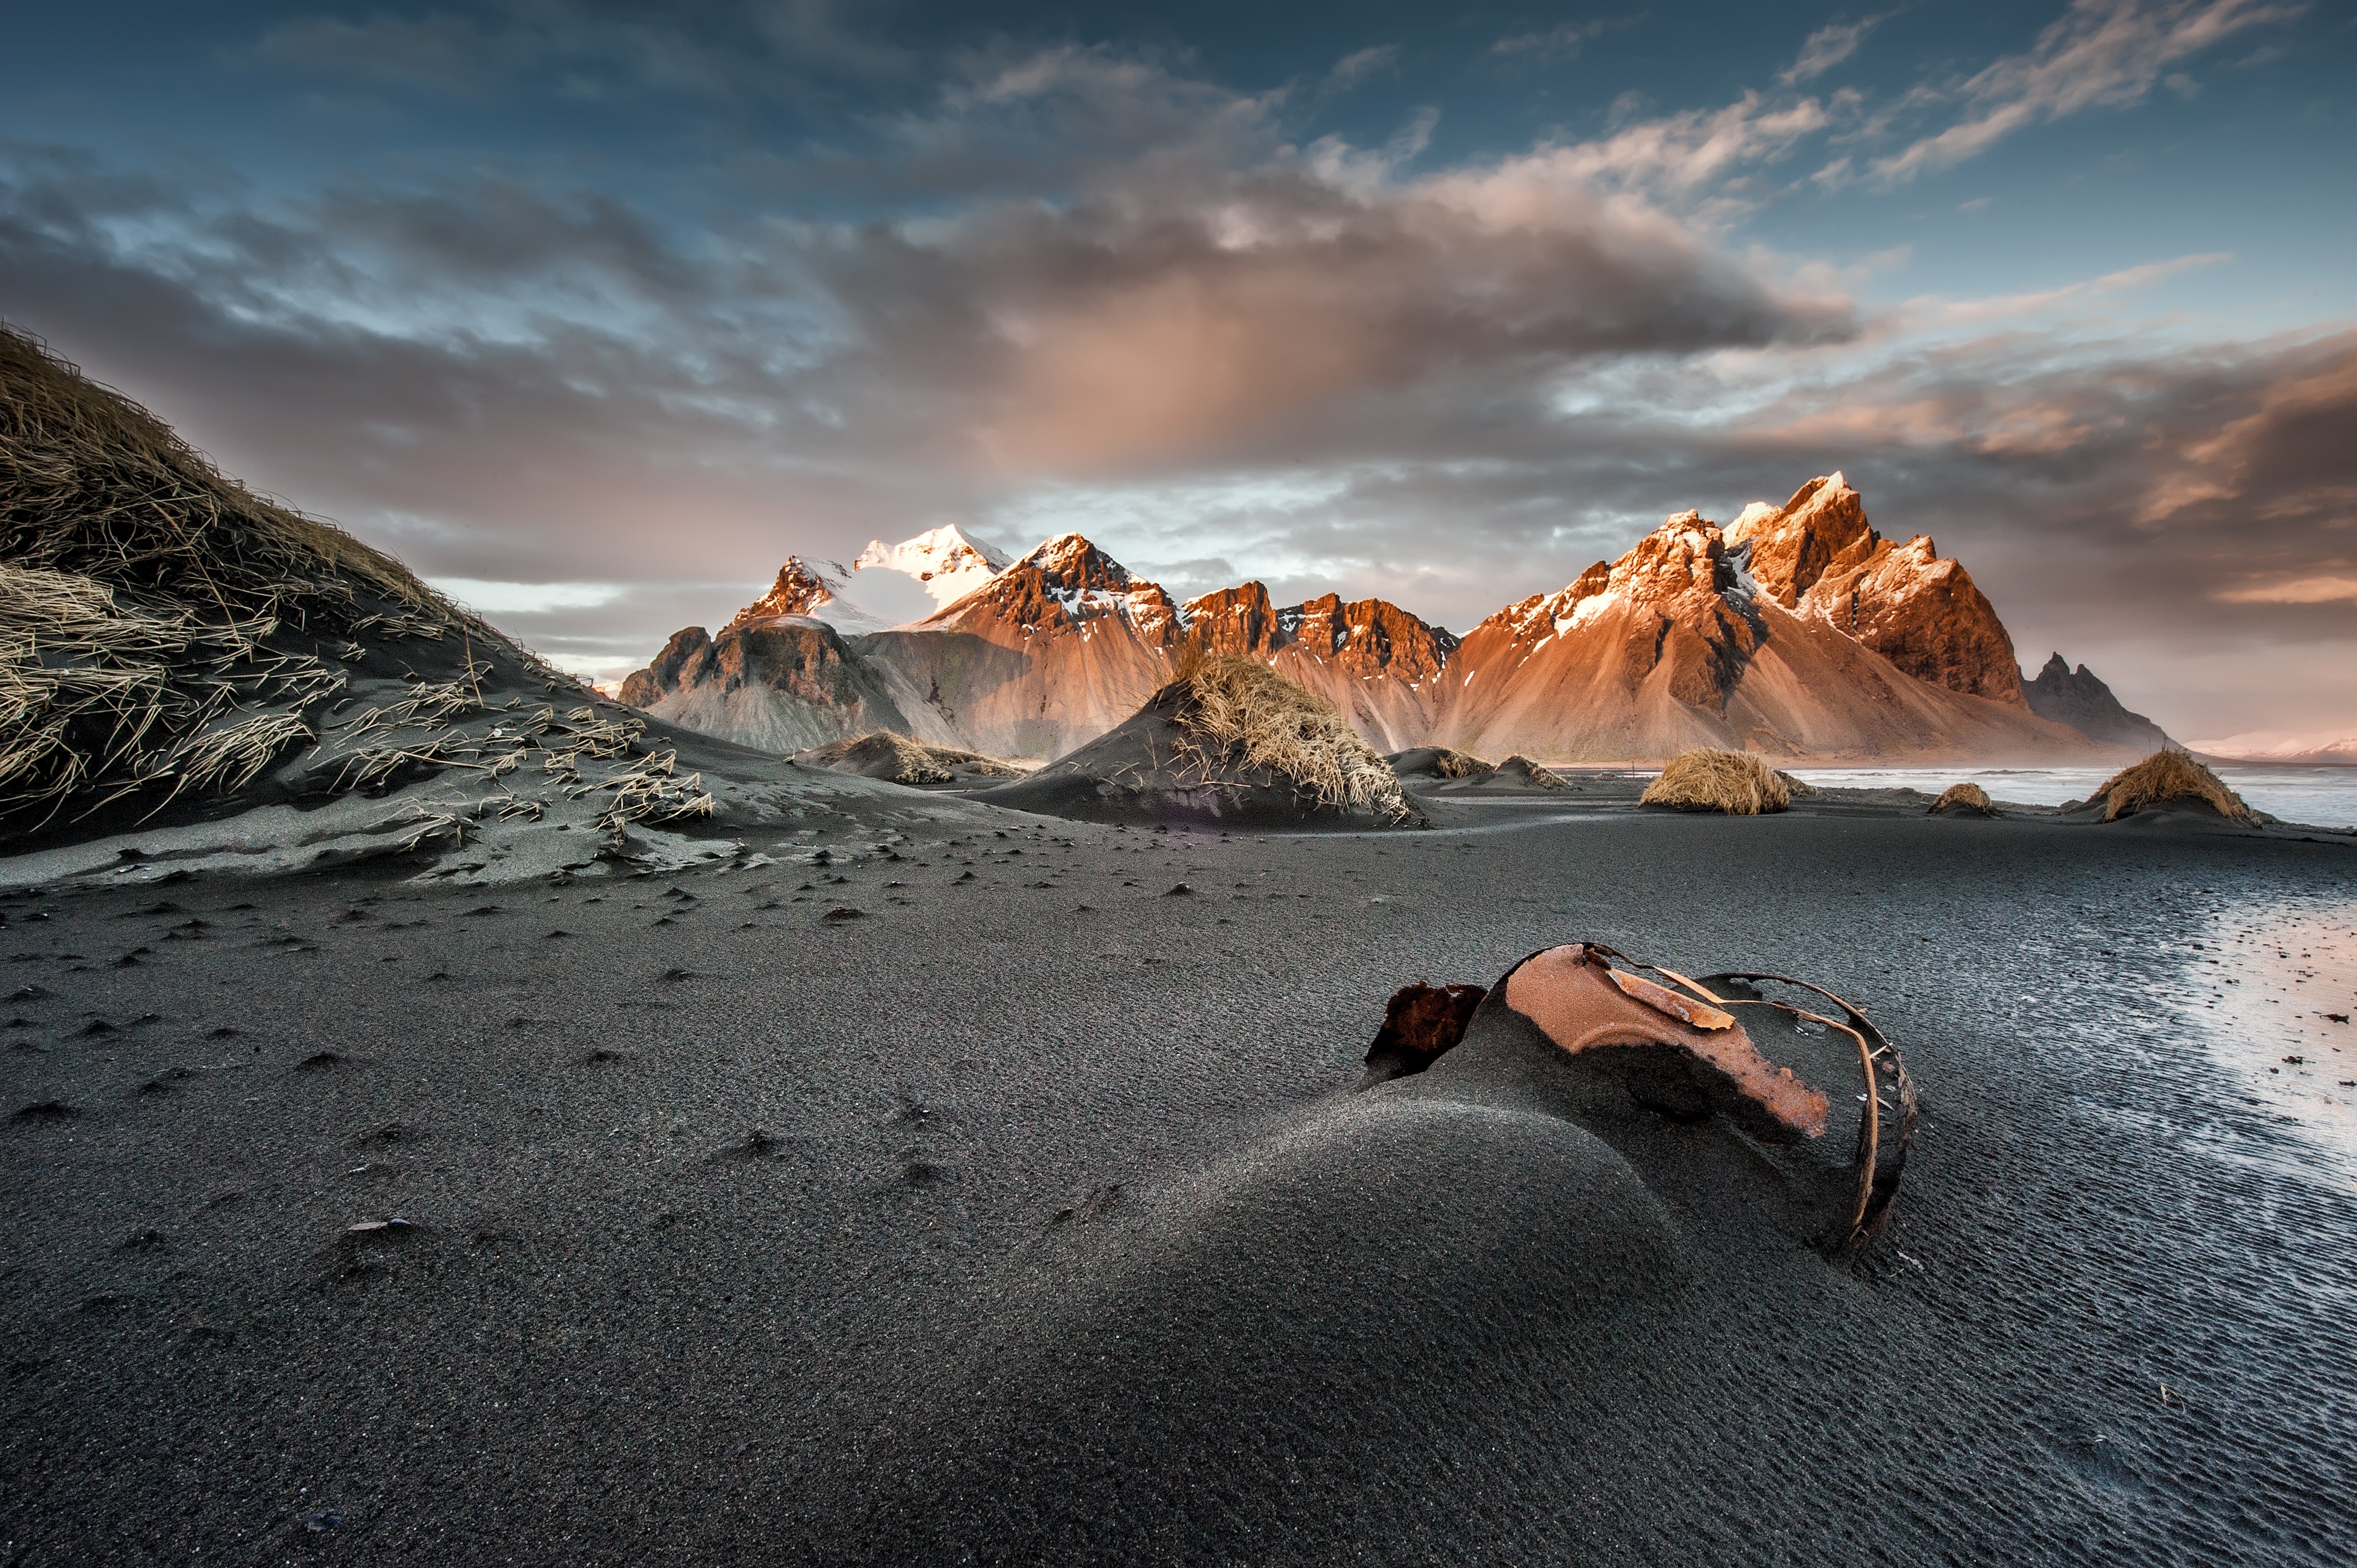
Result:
{"points": [[1827, 47], [2101, 54], [2016, 306], [1561, 42], [490, 372], [1360, 64], [1087, 289], [2296, 591], [1697, 160]]}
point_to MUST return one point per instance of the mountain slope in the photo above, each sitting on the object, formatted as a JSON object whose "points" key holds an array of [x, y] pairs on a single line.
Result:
{"points": [[779, 684], [2078, 698], [1675, 644], [1817, 557]]}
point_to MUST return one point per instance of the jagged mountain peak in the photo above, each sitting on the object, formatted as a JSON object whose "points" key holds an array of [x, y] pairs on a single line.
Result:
{"points": [[1818, 555], [801, 589], [1790, 549], [1070, 561], [1676, 568], [885, 586], [2080, 698], [1679, 564], [1064, 583]]}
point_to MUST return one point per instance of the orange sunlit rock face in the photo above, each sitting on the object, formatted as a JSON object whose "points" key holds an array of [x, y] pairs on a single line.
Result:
{"points": [[1666, 1061], [1817, 555]]}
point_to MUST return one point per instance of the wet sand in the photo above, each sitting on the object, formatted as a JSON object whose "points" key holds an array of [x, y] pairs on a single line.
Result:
{"points": [[1026, 1214]]}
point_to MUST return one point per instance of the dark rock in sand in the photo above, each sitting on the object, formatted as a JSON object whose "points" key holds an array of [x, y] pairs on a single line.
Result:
{"points": [[1419, 1023]]}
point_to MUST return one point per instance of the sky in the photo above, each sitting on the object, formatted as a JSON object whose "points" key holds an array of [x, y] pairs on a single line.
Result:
{"points": [[593, 314]]}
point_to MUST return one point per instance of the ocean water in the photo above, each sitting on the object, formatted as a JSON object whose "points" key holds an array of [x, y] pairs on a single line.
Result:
{"points": [[2270, 986], [2319, 796]]}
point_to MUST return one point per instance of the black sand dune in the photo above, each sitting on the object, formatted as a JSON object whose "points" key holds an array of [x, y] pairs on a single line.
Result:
{"points": [[1515, 775], [1030, 1215], [196, 675]]}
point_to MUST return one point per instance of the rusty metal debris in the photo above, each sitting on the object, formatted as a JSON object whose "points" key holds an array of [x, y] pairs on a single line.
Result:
{"points": [[1889, 1091], [1684, 1066], [1680, 1048]]}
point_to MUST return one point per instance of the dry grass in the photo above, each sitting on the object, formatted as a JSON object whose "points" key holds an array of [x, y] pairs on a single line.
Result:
{"points": [[1242, 711], [1966, 796], [1450, 764], [101, 697], [2168, 777], [158, 622], [1531, 773], [1733, 782], [93, 484], [907, 761]]}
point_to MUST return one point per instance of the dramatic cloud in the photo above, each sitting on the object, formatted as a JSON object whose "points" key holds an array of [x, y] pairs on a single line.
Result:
{"points": [[1078, 287], [2102, 54]]}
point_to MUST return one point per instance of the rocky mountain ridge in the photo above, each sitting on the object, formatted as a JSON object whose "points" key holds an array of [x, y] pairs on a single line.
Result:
{"points": [[1798, 631], [2078, 698]]}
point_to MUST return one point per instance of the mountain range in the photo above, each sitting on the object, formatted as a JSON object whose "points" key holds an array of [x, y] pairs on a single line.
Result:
{"points": [[2307, 752], [1798, 631]]}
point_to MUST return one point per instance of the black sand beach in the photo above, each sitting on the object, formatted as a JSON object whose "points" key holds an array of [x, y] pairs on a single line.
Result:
{"points": [[1026, 1215]]}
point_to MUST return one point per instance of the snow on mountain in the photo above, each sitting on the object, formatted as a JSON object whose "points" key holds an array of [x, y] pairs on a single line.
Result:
{"points": [[885, 586], [817, 591], [941, 565]]}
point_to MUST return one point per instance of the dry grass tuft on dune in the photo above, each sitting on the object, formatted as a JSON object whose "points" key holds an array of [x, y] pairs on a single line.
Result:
{"points": [[1733, 782], [1450, 764], [1965, 798], [93, 486], [2168, 777], [1522, 770], [164, 632], [138, 590], [1240, 710], [884, 754]]}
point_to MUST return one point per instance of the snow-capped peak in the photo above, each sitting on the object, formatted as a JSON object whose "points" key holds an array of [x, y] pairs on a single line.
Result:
{"points": [[947, 551], [887, 586]]}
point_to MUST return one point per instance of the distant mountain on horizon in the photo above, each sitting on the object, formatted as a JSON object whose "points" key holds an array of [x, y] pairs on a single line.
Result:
{"points": [[2077, 698], [2305, 751], [1798, 632]]}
